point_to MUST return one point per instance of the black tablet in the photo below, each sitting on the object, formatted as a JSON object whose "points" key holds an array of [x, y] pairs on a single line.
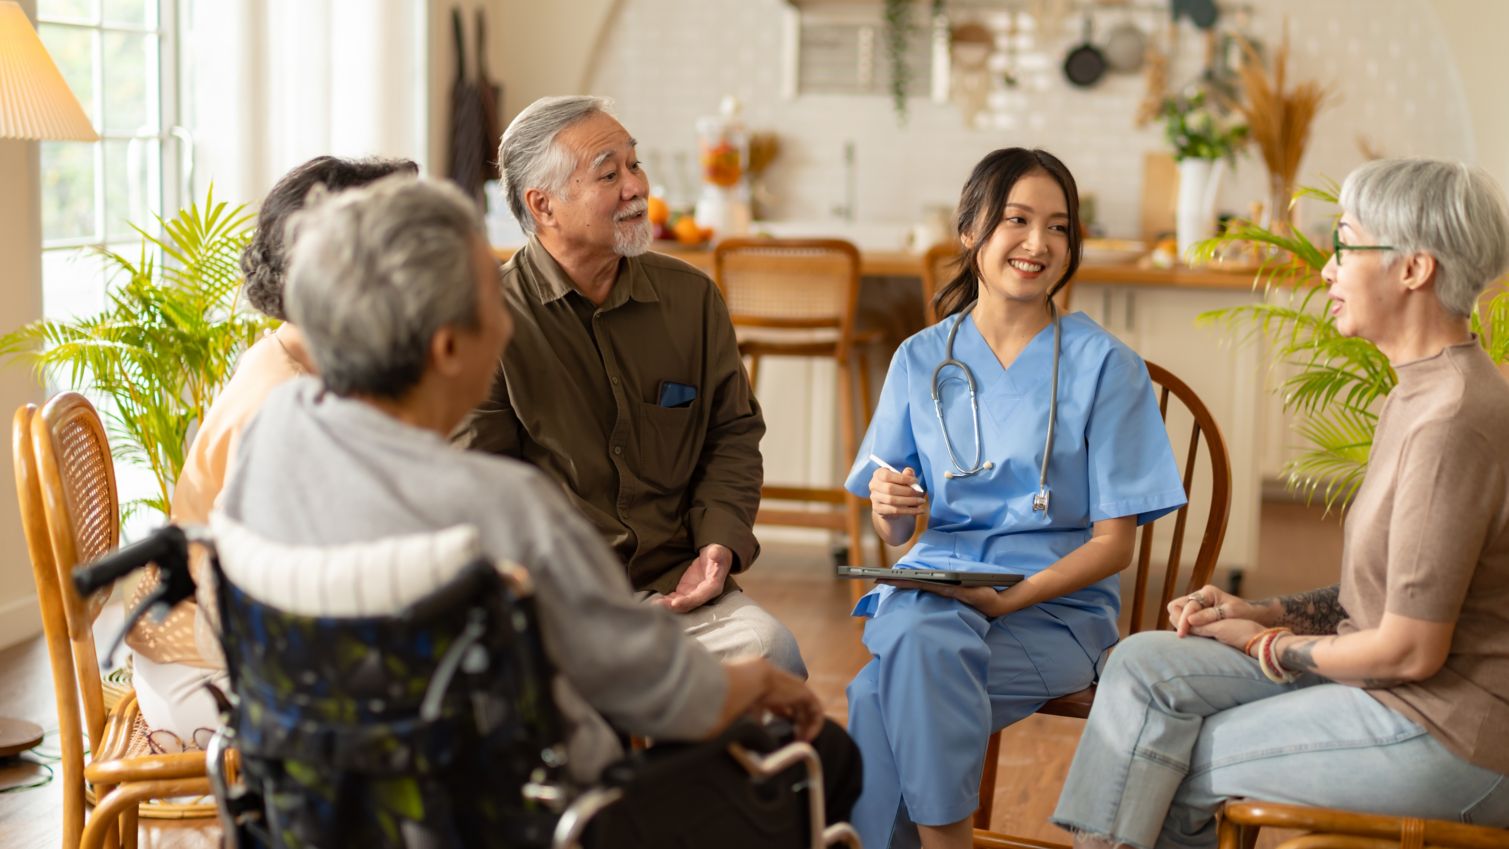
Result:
{"points": [[932, 576]]}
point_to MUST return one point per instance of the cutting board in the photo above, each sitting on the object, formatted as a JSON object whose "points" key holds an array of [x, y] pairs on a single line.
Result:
{"points": [[1160, 195]]}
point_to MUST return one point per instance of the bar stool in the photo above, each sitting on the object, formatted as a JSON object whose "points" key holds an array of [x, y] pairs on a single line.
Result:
{"points": [[941, 263], [798, 298]]}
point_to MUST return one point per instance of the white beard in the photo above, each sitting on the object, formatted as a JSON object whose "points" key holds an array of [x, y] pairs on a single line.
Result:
{"points": [[630, 239]]}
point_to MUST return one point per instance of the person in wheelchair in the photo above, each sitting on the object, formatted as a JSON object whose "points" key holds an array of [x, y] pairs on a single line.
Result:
{"points": [[398, 297]]}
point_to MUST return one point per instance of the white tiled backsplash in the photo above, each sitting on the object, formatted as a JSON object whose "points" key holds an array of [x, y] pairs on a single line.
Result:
{"points": [[668, 62]]}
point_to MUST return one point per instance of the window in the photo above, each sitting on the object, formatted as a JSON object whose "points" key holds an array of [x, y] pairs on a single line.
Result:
{"points": [[119, 57]]}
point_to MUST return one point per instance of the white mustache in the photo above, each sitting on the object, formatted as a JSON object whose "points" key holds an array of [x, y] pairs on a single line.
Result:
{"points": [[635, 208]]}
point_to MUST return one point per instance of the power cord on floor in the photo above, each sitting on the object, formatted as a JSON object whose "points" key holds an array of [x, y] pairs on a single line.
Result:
{"points": [[36, 757]]}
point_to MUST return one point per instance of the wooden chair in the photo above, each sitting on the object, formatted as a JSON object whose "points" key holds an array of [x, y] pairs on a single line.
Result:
{"points": [[1328, 828], [70, 511], [1078, 704], [941, 263], [799, 298]]}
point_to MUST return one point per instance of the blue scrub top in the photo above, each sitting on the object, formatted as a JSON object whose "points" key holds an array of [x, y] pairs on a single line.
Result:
{"points": [[1111, 454]]}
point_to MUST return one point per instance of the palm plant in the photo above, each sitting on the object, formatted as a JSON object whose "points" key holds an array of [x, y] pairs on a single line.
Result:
{"points": [[1338, 381], [166, 342]]}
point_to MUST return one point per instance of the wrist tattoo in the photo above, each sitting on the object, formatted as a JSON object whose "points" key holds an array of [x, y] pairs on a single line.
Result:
{"points": [[1298, 656], [1313, 613]]}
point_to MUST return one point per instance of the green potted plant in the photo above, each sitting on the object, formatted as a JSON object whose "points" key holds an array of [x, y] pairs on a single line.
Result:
{"points": [[1204, 146], [898, 32], [1337, 381], [167, 340]]}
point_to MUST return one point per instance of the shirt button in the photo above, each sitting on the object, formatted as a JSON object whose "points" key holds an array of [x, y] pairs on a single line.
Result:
{"points": [[618, 449], [615, 381]]}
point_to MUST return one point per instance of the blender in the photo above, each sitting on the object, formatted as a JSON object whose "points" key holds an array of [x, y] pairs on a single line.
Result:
{"points": [[723, 157]]}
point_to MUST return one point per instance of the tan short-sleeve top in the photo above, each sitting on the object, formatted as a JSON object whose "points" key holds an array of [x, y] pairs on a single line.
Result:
{"points": [[1428, 538]]}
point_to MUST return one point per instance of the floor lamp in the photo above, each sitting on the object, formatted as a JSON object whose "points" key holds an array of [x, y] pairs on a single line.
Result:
{"points": [[35, 104]]}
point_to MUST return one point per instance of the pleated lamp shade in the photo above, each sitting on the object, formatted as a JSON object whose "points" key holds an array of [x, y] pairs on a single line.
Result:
{"points": [[35, 102]]}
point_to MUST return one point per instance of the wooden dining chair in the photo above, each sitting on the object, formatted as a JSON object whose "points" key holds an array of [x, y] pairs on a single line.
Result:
{"points": [[1329, 828], [800, 298], [71, 514], [941, 263], [1149, 600]]}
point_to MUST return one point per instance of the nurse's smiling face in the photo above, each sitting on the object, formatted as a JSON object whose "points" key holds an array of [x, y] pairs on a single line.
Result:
{"points": [[1028, 249]]}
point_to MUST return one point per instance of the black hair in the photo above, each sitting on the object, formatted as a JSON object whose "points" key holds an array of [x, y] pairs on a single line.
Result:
{"points": [[981, 205], [264, 261]]}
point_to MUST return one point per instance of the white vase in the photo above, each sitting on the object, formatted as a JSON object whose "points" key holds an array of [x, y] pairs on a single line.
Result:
{"points": [[1199, 181]]}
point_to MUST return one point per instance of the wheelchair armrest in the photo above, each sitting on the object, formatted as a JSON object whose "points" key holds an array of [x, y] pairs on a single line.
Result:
{"points": [[671, 758], [572, 826]]}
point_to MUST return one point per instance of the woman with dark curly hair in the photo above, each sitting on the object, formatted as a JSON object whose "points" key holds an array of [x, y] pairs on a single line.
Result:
{"points": [[175, 657]]}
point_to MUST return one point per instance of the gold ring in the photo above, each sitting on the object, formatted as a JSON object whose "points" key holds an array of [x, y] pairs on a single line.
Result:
{"points": [[1197, 599]]}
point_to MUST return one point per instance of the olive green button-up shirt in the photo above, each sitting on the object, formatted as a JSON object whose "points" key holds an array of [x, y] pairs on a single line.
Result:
{"points": [[640, 408]]}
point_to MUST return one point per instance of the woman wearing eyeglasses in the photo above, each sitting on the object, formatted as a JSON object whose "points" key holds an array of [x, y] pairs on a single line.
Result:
{"points": [[1388, 692], [1035, 447]]}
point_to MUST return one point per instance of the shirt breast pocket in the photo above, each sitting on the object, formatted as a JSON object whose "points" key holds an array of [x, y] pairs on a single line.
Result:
{"points": [[669, 444]]}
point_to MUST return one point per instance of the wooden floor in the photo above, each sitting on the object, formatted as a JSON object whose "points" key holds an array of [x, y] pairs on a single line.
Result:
{"points": [[1299, 549]]}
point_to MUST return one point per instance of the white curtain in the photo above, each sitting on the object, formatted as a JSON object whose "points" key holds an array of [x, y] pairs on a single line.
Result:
{"points": [[271, 83]]}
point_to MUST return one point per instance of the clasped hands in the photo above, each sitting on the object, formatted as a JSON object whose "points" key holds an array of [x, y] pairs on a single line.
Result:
{"points": [[1214, 613]]}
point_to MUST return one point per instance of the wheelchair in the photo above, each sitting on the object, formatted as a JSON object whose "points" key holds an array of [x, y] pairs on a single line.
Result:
{"points": [[427, 718]]}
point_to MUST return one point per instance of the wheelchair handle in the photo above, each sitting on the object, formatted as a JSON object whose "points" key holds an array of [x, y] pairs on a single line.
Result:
{"points": [[167, 546]]}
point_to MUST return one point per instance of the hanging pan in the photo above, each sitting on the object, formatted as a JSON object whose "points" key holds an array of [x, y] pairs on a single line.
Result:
{"points": [[1085, 64]]}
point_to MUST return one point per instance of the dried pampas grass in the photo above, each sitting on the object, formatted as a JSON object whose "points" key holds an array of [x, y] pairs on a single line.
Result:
{"points": [[1278, 118]]}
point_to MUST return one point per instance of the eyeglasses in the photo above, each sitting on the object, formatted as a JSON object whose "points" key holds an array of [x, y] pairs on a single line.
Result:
{"points": [[1336, 243]]}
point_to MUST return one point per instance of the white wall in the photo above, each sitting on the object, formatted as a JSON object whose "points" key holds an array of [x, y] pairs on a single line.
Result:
{"points": [[534, 49], [668, 62], [1475, 32], [20, 302]]}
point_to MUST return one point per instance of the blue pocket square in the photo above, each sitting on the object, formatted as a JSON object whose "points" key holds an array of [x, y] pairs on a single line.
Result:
{"points": [[673, 394]]}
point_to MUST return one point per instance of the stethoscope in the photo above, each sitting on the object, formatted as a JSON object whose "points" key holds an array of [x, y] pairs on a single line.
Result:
{"points": [[1039, 501]]}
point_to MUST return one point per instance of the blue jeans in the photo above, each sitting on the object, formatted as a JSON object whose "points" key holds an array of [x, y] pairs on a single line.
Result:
{"points": [[1179, 726]]}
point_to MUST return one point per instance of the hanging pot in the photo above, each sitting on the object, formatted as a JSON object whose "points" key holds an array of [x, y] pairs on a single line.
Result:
{"points": [[1126, 48], [1201, 13], [1085, 64]]}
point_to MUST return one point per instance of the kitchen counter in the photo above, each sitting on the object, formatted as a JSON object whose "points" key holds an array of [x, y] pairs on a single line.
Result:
{"points": [[893, 263]]}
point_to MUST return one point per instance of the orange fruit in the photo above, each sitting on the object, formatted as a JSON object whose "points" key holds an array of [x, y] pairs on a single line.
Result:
{"points": [[686, 230], [659, 211]]}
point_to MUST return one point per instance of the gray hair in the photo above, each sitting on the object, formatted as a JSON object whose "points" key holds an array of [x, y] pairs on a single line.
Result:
{"points": [[529, 155], [1453, 211], [374, 272]]}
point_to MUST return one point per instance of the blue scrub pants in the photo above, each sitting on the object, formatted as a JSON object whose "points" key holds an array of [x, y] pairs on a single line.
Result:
{"points": [[942, 679]]}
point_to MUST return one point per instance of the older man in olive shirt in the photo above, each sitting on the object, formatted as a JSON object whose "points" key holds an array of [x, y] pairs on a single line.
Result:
{"points": [[624, 382]]}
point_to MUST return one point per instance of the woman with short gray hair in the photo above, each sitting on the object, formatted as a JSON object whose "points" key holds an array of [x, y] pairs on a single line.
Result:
{"points": [[377, 275], [174, 658], [1389, 691]]}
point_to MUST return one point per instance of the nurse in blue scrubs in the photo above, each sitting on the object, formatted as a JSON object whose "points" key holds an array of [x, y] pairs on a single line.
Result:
{"points": [[952, 665]]}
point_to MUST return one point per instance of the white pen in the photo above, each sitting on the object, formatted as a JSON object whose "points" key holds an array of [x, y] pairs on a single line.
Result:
{"points": [[890, 468]]}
